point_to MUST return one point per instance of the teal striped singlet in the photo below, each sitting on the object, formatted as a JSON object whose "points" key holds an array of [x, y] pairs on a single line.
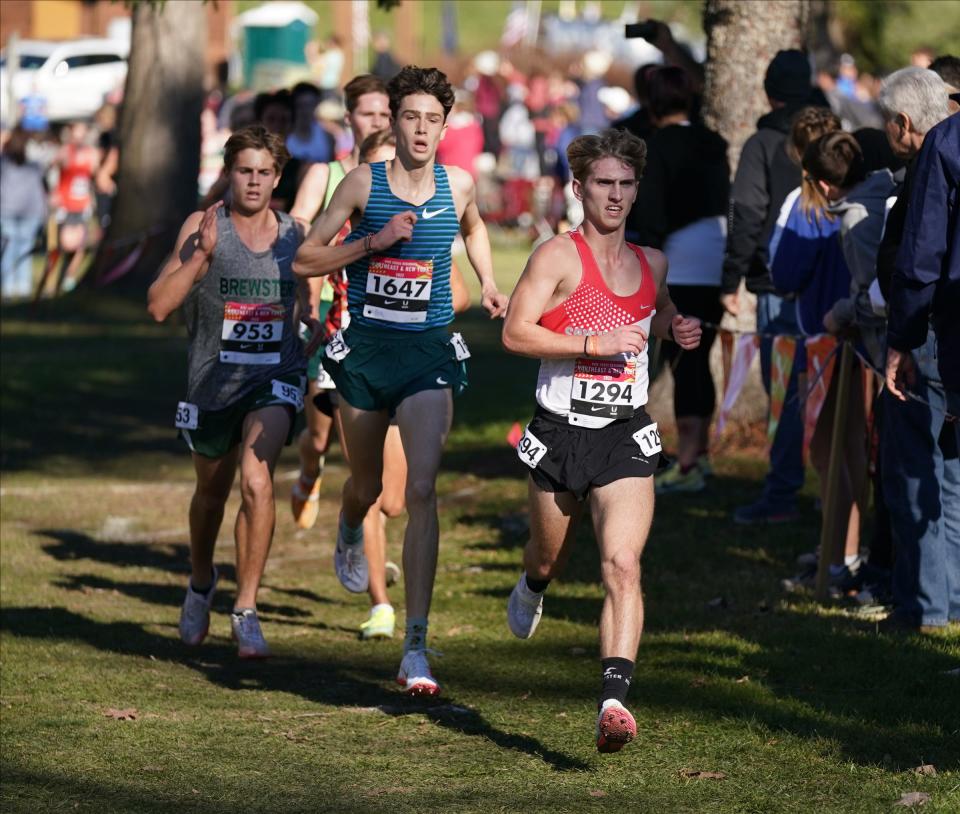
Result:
{"points": [[406, 287]]}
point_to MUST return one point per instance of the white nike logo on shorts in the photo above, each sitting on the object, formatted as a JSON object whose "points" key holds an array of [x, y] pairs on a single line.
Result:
{"points": [[427, 215], [441, 381]]}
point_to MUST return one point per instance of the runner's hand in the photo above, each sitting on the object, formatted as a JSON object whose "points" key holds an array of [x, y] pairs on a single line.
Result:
{"points": [[315, 326], [207, 231], [494, 302], [731, 303], [399, 227], [686, 331], [901, 372], [628, 339]]}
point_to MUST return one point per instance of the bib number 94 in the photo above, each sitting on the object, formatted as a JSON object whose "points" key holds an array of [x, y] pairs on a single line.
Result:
{"points": [[531, 449]]}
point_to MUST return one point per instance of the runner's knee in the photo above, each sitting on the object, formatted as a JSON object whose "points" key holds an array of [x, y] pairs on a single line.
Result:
{"points": [[392, 505], [420, 491], [621, 571], [256, 487]]}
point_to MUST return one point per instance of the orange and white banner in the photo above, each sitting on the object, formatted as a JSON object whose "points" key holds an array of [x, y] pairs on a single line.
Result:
{"points": [[744, 351], [821, 360], [781, 364]]}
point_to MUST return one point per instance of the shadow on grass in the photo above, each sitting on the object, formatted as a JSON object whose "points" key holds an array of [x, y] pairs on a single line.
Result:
{"points": [[342, 685]]}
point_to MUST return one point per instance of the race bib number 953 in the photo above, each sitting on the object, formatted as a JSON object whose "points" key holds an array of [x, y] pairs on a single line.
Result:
{"points": [[252, 333]]}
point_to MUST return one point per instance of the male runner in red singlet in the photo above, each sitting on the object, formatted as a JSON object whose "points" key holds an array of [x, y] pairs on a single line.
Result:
{"points": [[585, 305]]}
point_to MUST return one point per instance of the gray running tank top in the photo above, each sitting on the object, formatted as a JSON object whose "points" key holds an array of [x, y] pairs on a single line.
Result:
{"points": [[242, 317]]}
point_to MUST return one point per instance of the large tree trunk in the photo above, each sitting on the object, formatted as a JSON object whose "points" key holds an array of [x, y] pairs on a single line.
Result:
{"points": [[159, 141], [742, 37]]}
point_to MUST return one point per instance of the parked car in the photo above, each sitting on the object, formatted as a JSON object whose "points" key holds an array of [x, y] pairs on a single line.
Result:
{"points": [[72, 77]]}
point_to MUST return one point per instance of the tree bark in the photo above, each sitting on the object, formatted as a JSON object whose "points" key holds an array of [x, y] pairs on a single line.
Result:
{"points": [[742, 37], [159, 141]]}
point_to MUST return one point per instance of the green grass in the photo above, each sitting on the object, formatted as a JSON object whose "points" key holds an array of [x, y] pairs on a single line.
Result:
{"points": [[802, 708]]}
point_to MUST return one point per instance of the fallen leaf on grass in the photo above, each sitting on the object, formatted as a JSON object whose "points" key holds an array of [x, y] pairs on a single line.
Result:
{"points": [[597, 793], [927, 770], [121, 714], [698, 682], [743, 680], [457, 630], [912, 798], [696, 774], [151, 768]]}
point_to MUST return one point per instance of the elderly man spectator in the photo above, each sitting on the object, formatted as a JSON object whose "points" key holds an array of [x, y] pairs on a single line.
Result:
{"points": [[920, 467]]}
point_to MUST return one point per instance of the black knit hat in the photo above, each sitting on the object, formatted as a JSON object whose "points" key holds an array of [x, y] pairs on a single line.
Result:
{"points": [[788, 77]]}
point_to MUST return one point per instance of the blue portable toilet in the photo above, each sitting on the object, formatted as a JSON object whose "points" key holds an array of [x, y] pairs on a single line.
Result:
{"points": [[275, 33]]}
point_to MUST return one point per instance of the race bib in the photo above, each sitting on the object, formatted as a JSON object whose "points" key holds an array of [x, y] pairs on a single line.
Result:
{"points": [[187, 416], [289, 393], [603, 387], [398, 290], [324, 380], [460, 347], [79, 187], [531, 449], [337, 348], [648, 439], [252, 333]]}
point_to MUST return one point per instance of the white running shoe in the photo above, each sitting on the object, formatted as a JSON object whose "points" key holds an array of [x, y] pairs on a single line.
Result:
{"points": [[248, 636], [350, 562], [415, 676], [524, 609], [195, 614], [393, 573], [615, 727]]}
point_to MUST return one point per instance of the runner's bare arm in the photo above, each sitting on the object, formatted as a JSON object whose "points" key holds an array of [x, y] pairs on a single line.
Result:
{"points": [[668, 323], [547, 270], [187, 264], [316, 257], [477, 241], [310, 195]]}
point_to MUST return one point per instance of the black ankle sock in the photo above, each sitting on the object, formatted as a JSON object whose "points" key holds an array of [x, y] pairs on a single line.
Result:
{"points": [[202, 591], [617, 673], [538, 586]]}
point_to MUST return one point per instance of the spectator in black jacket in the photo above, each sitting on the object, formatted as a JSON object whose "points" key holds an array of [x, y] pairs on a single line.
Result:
{"points": [[765, 176], [681, 209]]}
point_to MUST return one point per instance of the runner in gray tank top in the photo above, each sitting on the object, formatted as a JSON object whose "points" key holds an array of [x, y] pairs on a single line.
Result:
{"points": [[231, 273]]}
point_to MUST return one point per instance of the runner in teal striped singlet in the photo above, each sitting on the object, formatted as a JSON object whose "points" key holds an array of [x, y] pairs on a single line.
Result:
{"points": [[397, 358]]}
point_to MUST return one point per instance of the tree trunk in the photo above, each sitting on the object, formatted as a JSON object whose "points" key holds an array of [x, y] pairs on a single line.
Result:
{"points": [[742, 37], [159, 141]]}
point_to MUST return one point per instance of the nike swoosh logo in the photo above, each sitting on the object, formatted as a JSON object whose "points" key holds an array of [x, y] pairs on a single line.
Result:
{"points": [[390, 302], [441, 380], [427, 215], [594, 409]]}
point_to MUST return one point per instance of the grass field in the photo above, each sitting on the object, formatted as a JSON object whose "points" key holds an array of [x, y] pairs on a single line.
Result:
{"points": [[800, 707]]}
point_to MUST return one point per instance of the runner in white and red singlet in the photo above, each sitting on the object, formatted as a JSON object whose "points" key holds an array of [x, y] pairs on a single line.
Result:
{"points": [[584, 306]]}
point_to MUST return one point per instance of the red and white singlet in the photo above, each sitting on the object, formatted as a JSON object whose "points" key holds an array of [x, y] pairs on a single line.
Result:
{"points": [[594, 391]]}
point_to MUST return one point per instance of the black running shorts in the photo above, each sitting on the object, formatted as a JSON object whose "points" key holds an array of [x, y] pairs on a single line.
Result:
{"points": [[576, 459]]}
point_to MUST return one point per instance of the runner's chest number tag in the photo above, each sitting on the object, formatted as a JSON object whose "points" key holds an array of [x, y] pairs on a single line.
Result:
{"points": [[337, 348], [603, 388], [460, 346], [648, 439], [324, 380], [531, 449], [187, 416], [252, 333], [398, 289], [289, 393]]}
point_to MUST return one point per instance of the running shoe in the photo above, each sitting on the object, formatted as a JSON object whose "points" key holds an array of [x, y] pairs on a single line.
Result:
{"points": [[305, 502], [763, 512], [393, 573], [379, 624], [195, 613], [672, 480], [415, 676], [349, 561], [524, 609], [248, 636], [615, 727], [706, 467]]}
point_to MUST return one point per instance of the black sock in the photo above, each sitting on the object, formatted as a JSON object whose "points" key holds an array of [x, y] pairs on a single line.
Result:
{"points": [[616, 679], [538, 586], [203, 591]]}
